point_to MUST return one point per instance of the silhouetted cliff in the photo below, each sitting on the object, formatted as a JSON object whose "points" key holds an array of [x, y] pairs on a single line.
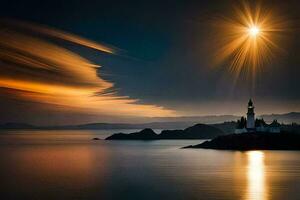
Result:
{"points": [[16, 126], [253, 141], [198, 131], [145, 134]]}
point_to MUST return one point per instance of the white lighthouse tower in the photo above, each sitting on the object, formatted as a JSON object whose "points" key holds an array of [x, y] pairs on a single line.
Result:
{"points": [[250, 117]]}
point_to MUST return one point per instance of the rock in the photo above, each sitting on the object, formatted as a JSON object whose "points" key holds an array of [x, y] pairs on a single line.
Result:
{"points": [[202, 131], [253, 141], [171, 134], [145, 134], [199, 131]]}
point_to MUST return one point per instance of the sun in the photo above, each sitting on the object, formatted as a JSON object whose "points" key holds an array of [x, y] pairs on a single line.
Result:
{"points": [[254, 31], [248, 39]]}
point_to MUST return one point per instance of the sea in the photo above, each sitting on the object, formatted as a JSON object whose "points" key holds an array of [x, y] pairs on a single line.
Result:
{"points": [[68, 164]]}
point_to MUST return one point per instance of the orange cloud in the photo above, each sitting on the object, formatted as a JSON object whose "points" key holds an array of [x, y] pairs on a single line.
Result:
{"points": [[44, 72]]}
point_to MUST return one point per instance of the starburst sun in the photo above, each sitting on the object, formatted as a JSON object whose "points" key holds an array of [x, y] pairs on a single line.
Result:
{"points": [[253, 31], [249, 39]]}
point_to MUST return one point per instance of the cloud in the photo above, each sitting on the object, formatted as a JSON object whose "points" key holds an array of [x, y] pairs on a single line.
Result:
{"points": [[44, 72]]}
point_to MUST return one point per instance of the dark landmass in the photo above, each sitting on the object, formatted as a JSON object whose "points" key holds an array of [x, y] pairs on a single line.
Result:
{"points": [[198, 131], [16, 126], [227, 127], [292, 128], [253, 141], [145, 134]]}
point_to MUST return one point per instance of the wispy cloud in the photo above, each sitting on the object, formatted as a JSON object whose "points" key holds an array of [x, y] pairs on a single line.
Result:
{"points": [[44, 72]]}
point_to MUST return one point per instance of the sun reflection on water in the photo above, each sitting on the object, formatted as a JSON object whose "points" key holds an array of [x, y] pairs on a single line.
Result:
{"points": [[256, 189]]}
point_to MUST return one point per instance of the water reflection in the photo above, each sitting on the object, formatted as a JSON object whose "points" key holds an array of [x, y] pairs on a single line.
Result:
{"points": [[65, 165], [69, 167], [256, 179]]}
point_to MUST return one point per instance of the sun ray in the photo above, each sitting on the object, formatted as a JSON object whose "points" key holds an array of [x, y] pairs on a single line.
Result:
{"points": [[249, 40]]}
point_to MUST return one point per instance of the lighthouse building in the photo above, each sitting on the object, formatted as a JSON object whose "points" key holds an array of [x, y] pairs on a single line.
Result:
{"points": [[250, 124], [250, 117]]}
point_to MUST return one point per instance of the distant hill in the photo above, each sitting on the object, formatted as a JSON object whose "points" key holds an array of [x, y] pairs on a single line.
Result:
{"points": [[16, 126], [283, 118], [227, 127], [101, 126], [145, 134], [223, 122], [198, 131], [208, 119], [215, 119], [153, 125]]}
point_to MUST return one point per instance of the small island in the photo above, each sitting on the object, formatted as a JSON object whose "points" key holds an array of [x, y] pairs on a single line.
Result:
{"points": [[253, 141], [198, 131]]}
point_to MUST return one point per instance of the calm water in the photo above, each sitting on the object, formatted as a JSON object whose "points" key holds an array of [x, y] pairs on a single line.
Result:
{"points": [[69, 165]]}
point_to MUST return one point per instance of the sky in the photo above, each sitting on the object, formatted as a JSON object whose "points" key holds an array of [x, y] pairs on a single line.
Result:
{"points": [[70, 62]]}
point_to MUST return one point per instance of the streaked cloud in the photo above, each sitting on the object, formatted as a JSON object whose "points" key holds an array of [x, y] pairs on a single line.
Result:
{"points": [[45, 72]]}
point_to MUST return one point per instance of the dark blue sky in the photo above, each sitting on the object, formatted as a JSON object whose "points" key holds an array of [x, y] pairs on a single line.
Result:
{"points": [[164, 56]]}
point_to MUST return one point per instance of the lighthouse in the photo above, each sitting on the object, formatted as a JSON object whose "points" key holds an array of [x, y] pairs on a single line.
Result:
{"points": [[250, 116]]}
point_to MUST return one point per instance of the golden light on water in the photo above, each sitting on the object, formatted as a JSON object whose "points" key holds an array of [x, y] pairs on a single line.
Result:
{"points": [[256, 181], [250, 39]]}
